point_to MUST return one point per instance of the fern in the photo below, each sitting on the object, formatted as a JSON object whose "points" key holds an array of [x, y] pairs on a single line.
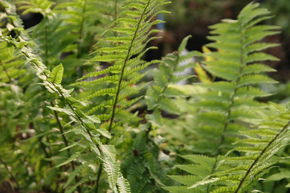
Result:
{"points": [[258, 148], [123, 55], [10, 68], [225, 107], [52, 80], [83, 19], [159, 94], [238, 53], [76, 102]]}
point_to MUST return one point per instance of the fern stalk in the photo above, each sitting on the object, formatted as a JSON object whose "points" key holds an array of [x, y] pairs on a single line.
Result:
{"points": [[229, 112], [124, 66], [115, 102]]}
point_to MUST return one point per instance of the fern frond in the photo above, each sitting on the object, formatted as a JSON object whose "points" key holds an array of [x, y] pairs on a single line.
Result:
{"points": [[258, 148], [224, 110], [83, 18], [86, 124], [159, 94], [238, 60], [48, 35], [122, 55], [35, 6]]}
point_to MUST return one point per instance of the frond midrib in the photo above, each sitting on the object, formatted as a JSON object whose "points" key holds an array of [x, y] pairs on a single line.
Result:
{"points": [[232, 101], [124, 66]]}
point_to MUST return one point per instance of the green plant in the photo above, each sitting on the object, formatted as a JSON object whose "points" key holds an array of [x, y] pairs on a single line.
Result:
{"points": [[78, 114]]}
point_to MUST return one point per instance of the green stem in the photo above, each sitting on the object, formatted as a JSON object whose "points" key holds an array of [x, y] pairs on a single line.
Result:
{"points": [[230, 107], [112, 118]]}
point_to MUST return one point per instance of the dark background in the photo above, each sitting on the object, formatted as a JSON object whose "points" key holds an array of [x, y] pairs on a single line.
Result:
{"points": [[194, 16]]}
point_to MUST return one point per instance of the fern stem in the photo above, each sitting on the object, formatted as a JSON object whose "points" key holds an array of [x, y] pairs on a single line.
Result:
{"points": [[284, 129], [87, 130], [232, 103], [119, 85], [98, 178], [115, 10], [10, 173], [124, 66], [65, 141]]}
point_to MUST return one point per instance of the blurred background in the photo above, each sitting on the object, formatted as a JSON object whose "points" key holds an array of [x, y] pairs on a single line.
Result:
{"points": [[195, 16]]}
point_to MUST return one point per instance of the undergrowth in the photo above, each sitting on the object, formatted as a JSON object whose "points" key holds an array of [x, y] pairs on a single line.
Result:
{"points": [[82, 111]]}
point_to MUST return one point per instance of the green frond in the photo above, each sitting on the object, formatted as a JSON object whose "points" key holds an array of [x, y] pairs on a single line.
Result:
{"points": [[122, 52], [258, 148], [159, 96], [142, 168], [48, 35], [86, 125], [86, 19], [226, 108], [238, 61]]}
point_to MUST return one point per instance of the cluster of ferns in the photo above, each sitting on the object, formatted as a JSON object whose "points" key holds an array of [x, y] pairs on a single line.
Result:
{"points": [[82, 111]]}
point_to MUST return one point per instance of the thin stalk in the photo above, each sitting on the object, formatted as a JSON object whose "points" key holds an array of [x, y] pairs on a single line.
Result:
{"points": [[115, 10], [229, 111], [112, 118]]}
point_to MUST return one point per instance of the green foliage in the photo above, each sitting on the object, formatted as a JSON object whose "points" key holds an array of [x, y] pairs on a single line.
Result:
{"points": [[77, 113], [229, 106]]}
